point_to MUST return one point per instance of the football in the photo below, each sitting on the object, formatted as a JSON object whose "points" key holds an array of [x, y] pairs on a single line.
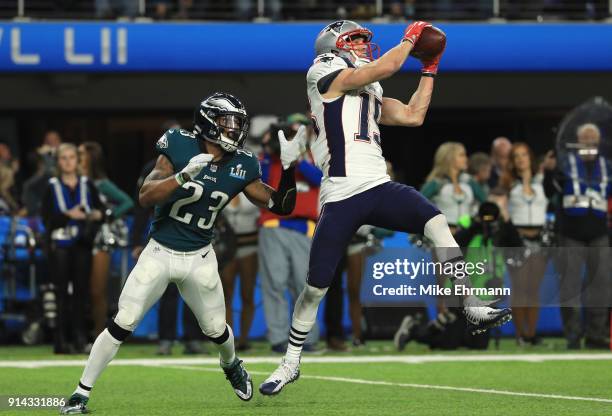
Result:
{"points": [[430, 44]]}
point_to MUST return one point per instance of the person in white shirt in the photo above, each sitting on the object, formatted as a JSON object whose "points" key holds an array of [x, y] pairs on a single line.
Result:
{"points": [[527, 205]]}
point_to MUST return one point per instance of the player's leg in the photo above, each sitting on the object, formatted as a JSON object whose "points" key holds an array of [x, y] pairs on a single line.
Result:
{"points": [[337, 224], [202, 291], [143, 287], [402, 208]]}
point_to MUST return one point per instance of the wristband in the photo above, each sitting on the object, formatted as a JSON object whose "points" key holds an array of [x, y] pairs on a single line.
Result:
{"points": [[182, 178], [428, 74]]}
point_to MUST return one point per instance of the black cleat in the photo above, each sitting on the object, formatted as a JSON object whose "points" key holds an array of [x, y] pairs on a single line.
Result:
{"points": [[77, 405], [240, 380]]}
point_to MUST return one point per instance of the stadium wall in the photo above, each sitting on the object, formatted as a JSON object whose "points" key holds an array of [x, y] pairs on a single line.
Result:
{"points": [[274, 47]]}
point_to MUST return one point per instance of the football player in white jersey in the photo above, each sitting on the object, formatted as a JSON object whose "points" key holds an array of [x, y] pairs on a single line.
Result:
{"points": [[347, 104]]}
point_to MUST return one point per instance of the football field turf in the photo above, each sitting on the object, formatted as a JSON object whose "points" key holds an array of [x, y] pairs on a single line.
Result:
{"points": [[374, 381]]}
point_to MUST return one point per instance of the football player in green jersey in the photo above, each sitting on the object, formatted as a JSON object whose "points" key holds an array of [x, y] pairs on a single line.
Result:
{"points": [[197, 173]]}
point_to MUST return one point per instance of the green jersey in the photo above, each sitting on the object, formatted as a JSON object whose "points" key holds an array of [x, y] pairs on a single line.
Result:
{"points": [[185, 221]]}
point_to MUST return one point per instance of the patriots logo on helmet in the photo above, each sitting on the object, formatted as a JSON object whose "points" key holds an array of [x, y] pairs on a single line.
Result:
{"points": [[335, 26]]}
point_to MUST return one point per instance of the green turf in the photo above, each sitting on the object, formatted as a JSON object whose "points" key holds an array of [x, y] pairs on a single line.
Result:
{"points": [[138, 350], [203, 390]]}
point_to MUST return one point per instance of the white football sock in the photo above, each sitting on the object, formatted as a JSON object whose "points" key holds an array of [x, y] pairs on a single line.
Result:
{"points": [[304, 317], [103, 351], [447, 249], [226, 348]]}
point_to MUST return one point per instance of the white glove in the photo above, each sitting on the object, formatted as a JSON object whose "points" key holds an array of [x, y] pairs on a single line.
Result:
{"points": [[291, 149], [195, 165]]}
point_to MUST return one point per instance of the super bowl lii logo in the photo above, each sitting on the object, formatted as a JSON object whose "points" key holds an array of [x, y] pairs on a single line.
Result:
{"points": [[238, 172]]}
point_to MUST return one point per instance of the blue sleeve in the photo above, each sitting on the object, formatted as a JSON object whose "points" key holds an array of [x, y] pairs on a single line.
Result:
{"points": [[310, 172]]}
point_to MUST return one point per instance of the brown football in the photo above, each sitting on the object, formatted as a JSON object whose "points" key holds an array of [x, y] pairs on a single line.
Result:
{"points": [[430, 44]]}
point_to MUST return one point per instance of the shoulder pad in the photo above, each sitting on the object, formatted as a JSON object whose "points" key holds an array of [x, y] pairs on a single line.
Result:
{"points": [[331, 60]]}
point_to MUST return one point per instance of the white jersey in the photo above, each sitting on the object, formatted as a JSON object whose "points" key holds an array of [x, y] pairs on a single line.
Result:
{"points": [[528, 210], [347, 148]]}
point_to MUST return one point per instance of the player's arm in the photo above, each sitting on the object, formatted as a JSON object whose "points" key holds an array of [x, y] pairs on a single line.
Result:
{"points": [[159, 184], [162, 181], [280, 201], [396, 113], [382, 68]]}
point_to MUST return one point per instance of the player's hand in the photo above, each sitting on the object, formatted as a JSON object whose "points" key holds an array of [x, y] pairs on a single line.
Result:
{"points": [[431, 66], [195, 165], [291, 149], [413, 31]]}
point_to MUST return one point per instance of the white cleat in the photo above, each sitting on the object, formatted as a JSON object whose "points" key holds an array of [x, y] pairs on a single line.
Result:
{"points": [[287, 372]]}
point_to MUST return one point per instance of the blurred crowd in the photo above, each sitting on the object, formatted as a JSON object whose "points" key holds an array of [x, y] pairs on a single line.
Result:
{"points": [[317, 9], [506, 199]]}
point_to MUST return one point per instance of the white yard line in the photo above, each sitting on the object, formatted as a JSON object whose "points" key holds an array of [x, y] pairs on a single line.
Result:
{"points": [[406, 359], [415, 386]]}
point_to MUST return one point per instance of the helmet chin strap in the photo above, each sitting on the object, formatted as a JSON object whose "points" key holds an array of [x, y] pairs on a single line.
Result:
{"points": [[225, 145]]}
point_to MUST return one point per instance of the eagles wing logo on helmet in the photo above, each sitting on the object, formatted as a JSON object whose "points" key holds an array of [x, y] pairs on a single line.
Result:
{"points": [[222, 119]]}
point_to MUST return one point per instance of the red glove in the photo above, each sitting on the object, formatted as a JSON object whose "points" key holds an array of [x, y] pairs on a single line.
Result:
{"points": [[413, 32], [430, 67]]}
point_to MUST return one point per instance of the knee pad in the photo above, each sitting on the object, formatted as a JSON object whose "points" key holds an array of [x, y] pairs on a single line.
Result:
{"points": [[314, 294], [128, 317], [307, 304], [437, 230], [214, 326]]}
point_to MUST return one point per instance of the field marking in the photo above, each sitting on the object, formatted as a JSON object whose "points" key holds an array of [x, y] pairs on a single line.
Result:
{"points": [[413, 385], [405, 359]]}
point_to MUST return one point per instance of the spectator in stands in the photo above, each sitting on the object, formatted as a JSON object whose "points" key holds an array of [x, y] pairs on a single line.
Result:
{"points": [[400, 10], [116, 204], [7, 159], [527, 205], [284, 242], [242, 216], [247, 9], [8, 204], [33, 187], [111, 9], [183, 10], [500, 151], [449, 187], [71, 212], [161, 9], [479, 167], [578, 178], [44, 160]]}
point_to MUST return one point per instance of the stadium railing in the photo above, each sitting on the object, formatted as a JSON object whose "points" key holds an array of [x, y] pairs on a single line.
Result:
{"points": [[264, 10]]}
